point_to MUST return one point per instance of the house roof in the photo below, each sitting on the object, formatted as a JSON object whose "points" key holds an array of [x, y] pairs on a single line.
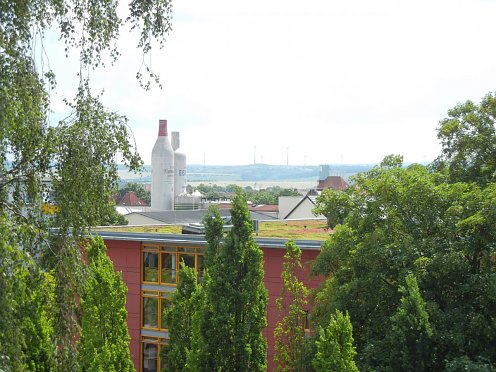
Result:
{"points": [[306, 197], [333, 182], [264, 208], [129, 198], [200, 240], [192, 216]]}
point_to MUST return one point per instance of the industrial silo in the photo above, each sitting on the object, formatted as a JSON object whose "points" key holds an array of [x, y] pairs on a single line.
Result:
{"points": [[162, 171], [179, 167]]}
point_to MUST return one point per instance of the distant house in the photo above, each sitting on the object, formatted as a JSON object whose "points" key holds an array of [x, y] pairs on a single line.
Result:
{"points": [[270, 210], [297, 207], [128, 199], [332, 182]]}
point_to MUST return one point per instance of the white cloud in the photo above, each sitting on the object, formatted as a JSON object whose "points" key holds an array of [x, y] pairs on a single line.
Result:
{"points": [[315, 82]]}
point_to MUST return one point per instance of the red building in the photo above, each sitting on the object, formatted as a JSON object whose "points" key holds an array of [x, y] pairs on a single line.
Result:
{"points": [[149, 265]]}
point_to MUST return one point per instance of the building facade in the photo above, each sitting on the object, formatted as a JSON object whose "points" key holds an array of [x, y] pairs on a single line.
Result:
{"points": [[150, 266]]}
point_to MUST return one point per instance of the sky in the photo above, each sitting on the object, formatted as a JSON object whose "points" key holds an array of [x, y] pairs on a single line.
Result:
{"points": [[301, 82]]}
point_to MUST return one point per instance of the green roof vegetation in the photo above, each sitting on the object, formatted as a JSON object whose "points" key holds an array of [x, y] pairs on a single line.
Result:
{"points": [[161, 229], [305, 229]]}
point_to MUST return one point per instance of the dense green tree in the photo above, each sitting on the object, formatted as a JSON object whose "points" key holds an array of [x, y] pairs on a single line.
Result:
{"points": [[409, 341], [112, 217], [289, 333], [468, 140], [214, 234], [39, 322], [408, 220], [269, 195], [233, 317], [104, 337], [464, 364], [27, 313], [262, 197], [71, 164], [212, 192], [335, 349], [186, 302], [334, 205]]}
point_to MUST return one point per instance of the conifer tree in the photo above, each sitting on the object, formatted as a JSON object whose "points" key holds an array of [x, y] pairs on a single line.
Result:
{"points": [[409, 339], [186, 302], [289, 333], [104, 342], [335, 350], [236, 299], [27, 305]]}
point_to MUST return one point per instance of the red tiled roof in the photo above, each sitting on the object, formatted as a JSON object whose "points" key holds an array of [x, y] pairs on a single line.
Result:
{"points": [[129, 199], [333, 182], [264, 208]]}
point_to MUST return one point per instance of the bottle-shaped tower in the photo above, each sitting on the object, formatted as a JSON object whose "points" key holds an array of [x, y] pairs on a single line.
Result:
{"points": [[162, 171], [179, 166]]}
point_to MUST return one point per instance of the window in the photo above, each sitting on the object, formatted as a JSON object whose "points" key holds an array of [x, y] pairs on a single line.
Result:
{"points": [[168, 268], [150, 310], [307, 323], [153, 304], [150, 266], [150, 353], [150, 357], [200, 264], [161, 264]]}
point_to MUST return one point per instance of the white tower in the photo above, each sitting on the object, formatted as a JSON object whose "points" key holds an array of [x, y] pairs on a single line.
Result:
{"points": [[162, 171], [179, 166]]}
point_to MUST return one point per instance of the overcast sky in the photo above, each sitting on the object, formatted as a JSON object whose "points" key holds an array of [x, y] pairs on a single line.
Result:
{"points": [[305, 82]]}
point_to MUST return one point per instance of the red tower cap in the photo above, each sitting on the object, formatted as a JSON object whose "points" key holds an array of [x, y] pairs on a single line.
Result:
{"points": [[162, 128]]}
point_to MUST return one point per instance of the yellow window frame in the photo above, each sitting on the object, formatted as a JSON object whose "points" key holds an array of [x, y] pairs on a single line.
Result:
{"points": [[160, 296], [159, 341], [178, 251]]}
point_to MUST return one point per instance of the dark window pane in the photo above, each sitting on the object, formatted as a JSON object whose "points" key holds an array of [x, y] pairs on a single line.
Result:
{"points": [[201, 267], [150, 312], [150, 267], [168, 268], [189, 260], [150, 360]]}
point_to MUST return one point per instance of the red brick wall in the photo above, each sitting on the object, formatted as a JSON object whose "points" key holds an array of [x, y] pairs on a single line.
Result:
{"points": [[126, 258], [273, 265]]}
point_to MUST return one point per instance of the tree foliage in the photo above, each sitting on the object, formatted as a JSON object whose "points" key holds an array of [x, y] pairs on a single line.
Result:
{"points": [[405, 221], [409, 341], [180, 318], [70, 165], [104, 337], [335, 350], [468, 140], [334, 205], [270, 195], [27, 314], [233, 316], [289, 333]]}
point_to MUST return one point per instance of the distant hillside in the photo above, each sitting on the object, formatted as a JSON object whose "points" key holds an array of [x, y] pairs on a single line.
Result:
{"points": [[254, 172]]}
